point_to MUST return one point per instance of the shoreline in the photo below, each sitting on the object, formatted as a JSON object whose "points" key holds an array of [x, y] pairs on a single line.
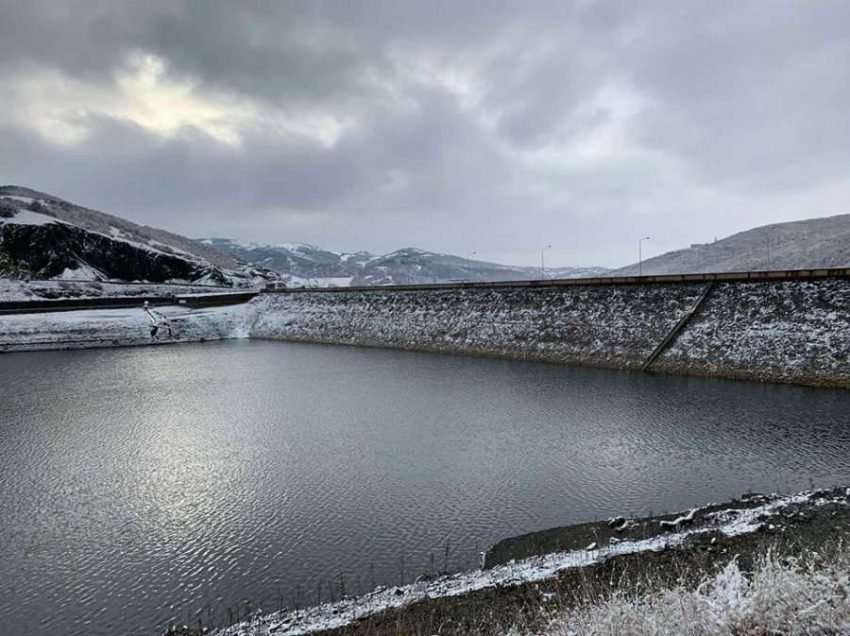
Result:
{"points": [[505, 588]]}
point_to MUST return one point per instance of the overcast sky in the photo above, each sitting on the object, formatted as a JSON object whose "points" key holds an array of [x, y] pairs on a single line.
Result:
{"points": [[456, 126]]}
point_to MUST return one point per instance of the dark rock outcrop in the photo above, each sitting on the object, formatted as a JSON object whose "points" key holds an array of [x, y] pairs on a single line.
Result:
{"points": [[46, 251], [43, 237]]}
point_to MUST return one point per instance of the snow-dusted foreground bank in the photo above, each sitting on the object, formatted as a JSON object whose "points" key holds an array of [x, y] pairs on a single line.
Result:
{"points": [[123, 327], [732, 521], [780, 596]]}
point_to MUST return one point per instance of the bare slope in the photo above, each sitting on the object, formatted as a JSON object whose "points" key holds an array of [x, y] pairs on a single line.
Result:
{"points": [[822, 242]]}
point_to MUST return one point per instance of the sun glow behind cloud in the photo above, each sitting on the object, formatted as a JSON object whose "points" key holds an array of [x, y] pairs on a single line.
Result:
{"points": [[142, 92]]}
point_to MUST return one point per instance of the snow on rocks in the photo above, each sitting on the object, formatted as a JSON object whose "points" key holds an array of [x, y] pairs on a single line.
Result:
{"points": [[730, 522], [678, 521], [737, 521], [83, 272], [793, 331]]}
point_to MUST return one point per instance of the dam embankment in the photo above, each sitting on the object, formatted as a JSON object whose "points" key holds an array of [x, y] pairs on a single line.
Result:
{"points": [[770, 326], [795, 330], [608, 326]]}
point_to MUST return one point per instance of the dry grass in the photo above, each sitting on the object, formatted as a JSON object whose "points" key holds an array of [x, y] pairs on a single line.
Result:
{"points": [[788, 596]]}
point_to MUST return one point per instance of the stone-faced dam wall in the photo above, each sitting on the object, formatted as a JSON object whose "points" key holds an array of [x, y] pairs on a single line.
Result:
{"points": [[604, 326], [791, 331], [774, 330]]}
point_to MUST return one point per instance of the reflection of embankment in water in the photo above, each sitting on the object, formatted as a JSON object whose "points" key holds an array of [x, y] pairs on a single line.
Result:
{"points": [[714, 529]]}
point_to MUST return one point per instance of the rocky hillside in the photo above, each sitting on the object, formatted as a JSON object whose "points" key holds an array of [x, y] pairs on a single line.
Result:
{"points": [[45, 237], [309, 265], [822, 242]]}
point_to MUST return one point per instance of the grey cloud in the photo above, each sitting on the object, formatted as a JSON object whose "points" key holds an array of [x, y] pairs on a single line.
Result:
{"points": [[740, 101], [752, 96], [431, 148]]}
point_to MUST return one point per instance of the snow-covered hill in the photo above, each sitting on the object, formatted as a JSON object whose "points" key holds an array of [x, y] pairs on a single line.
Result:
{"points": [[309, 265], [45, 237], [821, 242]]}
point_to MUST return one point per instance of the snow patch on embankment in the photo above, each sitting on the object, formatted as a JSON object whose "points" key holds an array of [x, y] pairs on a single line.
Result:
{"points": [[731, 522], [88, 283], [123, 327]]}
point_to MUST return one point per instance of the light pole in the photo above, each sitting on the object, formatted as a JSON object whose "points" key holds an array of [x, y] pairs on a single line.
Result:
{"points": [[542, 264], [640, 254]]}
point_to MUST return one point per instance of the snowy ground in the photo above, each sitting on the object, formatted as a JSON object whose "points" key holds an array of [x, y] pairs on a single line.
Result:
{"points": [[123, 327], [729, 522], [13, 290], [321, 282]]}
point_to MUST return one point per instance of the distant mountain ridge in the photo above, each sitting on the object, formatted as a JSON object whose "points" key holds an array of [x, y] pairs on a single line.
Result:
{"points": [[45, 237], [820, 242], [313, 266]]}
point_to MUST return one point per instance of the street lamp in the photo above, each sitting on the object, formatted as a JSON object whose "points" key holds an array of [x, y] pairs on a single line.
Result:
{"points": [[640, 254], [542, 264]]}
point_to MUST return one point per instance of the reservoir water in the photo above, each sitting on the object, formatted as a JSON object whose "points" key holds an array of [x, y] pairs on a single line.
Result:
{"points": [[150, 486]]}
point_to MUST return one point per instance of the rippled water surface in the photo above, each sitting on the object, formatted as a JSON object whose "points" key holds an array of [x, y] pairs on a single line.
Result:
{"points": [[143, 487]]}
